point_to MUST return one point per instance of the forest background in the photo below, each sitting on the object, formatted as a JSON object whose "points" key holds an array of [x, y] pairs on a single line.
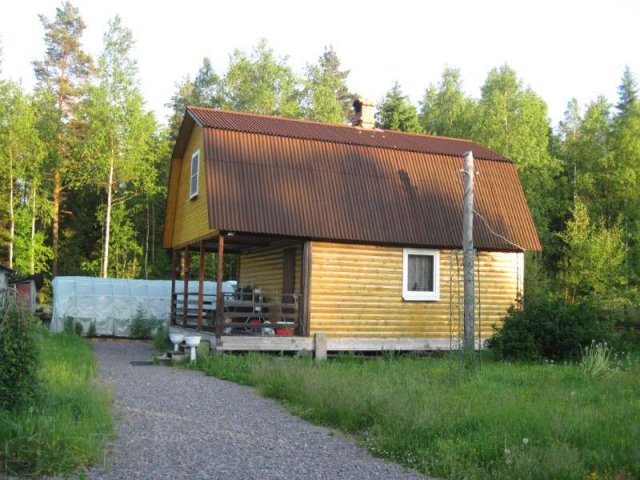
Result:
{"points": [[84, 162]]}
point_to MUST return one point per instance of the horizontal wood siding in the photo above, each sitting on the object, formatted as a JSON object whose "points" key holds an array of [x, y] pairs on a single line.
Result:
{"points": [[190, 216], [263, 269], [356, 291]]}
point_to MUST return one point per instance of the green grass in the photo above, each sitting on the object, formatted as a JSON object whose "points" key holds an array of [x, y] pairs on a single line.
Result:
{"points": [[494, 420], [67, 425]]}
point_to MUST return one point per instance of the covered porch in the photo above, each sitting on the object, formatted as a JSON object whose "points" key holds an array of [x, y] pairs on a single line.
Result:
{"points": [[271, 301]]}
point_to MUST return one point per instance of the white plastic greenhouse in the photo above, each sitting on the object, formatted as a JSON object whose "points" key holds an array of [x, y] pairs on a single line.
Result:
{"points": [[112, 303]]}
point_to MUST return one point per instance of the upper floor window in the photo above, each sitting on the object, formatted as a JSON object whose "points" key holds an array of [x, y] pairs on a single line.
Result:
{"points": [[195, 174]]}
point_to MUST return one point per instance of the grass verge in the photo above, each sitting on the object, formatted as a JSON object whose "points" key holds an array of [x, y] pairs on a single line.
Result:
{"points": [[494, 420], [67, 425]]}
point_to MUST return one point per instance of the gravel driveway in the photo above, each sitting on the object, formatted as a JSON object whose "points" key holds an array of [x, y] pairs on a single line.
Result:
{"points": [[176, 423]]}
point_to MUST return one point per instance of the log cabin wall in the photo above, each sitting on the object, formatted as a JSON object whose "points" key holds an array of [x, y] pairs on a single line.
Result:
{"points": [[263, 269], [356, 291], [188, 217]]}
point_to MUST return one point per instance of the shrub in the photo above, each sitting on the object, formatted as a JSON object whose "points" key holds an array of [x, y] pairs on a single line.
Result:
{"points": [[19, 356], [140, 326], [144, 328], [160, 337], [543, 327], [93, 331], [69, 323], [77, 329]]}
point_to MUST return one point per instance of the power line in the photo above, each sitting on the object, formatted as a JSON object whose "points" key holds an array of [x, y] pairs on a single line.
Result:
{"points": [[496, 234]]}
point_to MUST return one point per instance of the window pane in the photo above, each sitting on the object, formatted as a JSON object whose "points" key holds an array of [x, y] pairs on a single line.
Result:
{"points": [[194, 184], [420, 275], [195, 167], [195, 164]]}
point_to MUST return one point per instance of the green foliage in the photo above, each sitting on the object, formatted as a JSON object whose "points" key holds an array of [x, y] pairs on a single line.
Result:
{"points": [[140, 327], [143, 328], [544, 327], [19, 356], [69, 425], [117, 147], [68, 323], [62, 81], [206, 87], [594, 257], [445, 109], [326, 97], [72, 327], [397, 113], [513, 121], [235, 368], [161, 337], [533, 421], [261, 83], [92, 332], [21, 154]]}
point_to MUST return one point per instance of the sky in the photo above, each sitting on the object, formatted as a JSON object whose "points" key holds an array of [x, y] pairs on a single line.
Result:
{"points": [[561, 48]]}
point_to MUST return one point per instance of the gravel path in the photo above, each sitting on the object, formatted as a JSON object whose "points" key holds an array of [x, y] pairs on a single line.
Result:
{"points": [[176, 424]]}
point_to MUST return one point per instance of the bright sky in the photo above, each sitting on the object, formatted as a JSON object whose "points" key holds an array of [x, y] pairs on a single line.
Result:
{"points": [[560, 48]]}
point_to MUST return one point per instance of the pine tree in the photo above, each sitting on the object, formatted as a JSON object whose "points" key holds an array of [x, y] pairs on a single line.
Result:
{"points": [[396, 112], [627, 92], [326, 97], [624, 168], [63, 73], [206, 87]]}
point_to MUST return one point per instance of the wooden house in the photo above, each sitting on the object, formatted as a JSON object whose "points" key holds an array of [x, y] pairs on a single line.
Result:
{"points": [[350, 234]]}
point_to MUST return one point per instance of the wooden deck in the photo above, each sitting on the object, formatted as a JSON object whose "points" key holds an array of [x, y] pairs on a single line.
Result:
{"points": [[318, 344]]}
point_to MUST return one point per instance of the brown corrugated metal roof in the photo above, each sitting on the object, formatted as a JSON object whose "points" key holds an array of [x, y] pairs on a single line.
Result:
{"points": [[280, 181], [327, 132]]}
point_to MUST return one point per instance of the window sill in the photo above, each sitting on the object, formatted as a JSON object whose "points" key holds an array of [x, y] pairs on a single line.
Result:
{"points": [[429, 297]]}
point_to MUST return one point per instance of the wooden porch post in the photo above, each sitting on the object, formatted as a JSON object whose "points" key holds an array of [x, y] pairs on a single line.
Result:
{"points": [[201, 285], [219, 295], [174, 268], [186, 271], [305, 286]]}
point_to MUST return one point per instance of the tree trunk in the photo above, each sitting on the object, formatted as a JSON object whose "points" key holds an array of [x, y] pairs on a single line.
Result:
{"points": [[107, 223], [146, 246], [32, 249], [153, 231], [57, 189], [12, 219]]}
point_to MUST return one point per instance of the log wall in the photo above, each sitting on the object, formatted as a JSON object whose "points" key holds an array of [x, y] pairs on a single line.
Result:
{"points": [[356, 291], [263, 269]]}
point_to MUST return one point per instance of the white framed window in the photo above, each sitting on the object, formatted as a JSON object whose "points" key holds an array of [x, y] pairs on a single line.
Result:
{"points": [[195, 174], [420, 274]]}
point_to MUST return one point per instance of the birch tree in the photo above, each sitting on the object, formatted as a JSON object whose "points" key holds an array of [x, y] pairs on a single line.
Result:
{"points": [[261, 83], [21, 152], [445, 109], [118, 145]]}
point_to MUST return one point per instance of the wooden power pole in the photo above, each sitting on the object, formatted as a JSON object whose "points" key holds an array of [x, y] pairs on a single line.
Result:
{"points": [[468, 342]]}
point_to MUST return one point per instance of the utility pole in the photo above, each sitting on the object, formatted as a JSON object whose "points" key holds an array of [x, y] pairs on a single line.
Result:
{"points": [[468, 342]]}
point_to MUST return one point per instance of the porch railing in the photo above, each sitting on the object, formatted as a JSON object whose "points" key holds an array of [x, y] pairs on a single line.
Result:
{"points": [[245, 313]]}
